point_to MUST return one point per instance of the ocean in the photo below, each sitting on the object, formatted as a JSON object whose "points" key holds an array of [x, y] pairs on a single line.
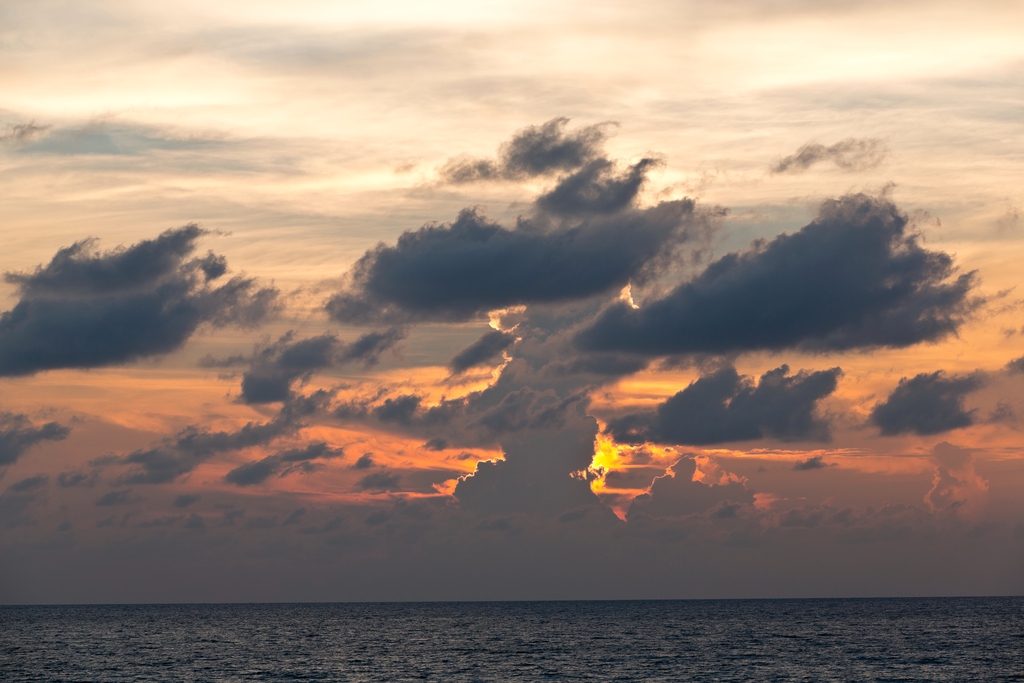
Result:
{"points": [[919, 639]]}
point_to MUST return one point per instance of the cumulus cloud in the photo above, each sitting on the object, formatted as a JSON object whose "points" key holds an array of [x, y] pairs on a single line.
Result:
{"points": [[725, 406], [460, 270], [482, 351], [532, 151], [18, 434], [928, 403], [677, 494], [851, 154], [580, 238], [274, 368], [535, 476], [815, 462], [87, 308], [597, 188], [956, 487], [853, 278], [281, 464]]}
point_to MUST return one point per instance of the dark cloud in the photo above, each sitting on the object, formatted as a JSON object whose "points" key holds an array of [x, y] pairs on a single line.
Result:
{"points": [[596, 189], [400, 410], [282, 464], [68, 479], [851, 154], [275, 368], [853, 278], [379, 482], [30, 484], [364, 462], [540, 472], [1016, 365], [928, 403], [436, 444], [675, 496], [815, 462], [294, 517], [122, 497], [180, 454], [532, 151], [458, 270], [725, 406], [18, 434], [477, 420], [487, 347], [88, 308], [185, 499], [195, 522]]}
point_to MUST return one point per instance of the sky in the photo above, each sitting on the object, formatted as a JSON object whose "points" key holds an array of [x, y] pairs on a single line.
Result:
{"points": [[330, 301]]}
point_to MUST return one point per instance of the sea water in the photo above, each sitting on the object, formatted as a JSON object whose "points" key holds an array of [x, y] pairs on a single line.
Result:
{"points": [[941, 639]]}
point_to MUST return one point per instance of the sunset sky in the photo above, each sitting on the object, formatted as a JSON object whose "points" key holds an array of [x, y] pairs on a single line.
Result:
{"points": [[510, 300]]}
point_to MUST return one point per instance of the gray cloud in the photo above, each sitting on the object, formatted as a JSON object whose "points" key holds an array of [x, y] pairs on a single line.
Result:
{"points": [[535, 476], [18, 434], [724, 407], [675, 496], [853, 278], [281, 464], [185, 499], [487, 347], [928, 403], [379, 482], [67, 480], [88, 308], [275, 368], [180, 454], [1016, 365], [851, 154], [596, 189], [294, 517], [815, 462], [364, 462], [30, 484], [532, 151], [122, 497], [459, 270]]}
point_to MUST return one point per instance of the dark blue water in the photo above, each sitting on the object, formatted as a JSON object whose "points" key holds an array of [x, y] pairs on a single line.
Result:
{"points": [[948, 639]]}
